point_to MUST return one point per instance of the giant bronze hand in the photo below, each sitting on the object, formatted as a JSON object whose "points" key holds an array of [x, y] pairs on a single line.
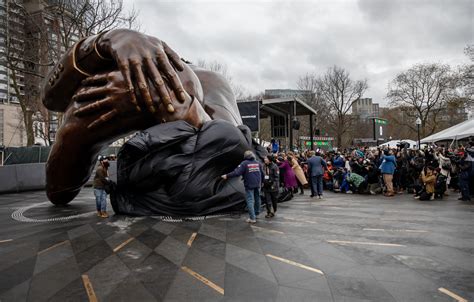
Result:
{"points": [[89, 126], [143, 61], [143, 57]]}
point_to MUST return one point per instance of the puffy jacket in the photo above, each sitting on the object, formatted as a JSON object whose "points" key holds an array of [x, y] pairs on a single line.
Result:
{"points": [[355, 179], [252, 173], [429, 180], [388, 164], [338, 162]]}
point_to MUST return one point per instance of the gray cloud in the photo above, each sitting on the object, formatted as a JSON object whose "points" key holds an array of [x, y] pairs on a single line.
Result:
{"points": [[269, 44]]}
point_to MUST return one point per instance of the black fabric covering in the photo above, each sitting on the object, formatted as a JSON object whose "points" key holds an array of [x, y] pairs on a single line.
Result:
{"points": [[174, 169]]}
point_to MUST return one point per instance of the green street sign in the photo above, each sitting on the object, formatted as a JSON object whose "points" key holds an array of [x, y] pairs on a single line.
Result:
{"points": [[381, 121]]}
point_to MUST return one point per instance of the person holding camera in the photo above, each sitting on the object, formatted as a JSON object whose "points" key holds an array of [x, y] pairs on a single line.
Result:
{"points": [[387, 169], [271, 181], [101, 181]]}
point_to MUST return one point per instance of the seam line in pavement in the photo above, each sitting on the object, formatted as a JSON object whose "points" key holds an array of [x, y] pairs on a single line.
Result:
{"points": [[121, 245], [365, 243], [452, 295], [191, 239], [204, 280], [52, 247], [309, 268], [6, 240], [89, 289]]}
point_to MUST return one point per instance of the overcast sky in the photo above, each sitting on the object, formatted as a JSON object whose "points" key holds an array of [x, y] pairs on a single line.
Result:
{"points": [[270, 44]]}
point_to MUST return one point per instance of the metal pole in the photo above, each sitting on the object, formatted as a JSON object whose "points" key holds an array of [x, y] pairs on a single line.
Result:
{"points": [[418, 127], [311, 131], [291, 128]]}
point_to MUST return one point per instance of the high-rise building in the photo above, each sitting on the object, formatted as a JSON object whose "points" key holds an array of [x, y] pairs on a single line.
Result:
{"points": [[12, 23], [29, 42], [365, 108]]}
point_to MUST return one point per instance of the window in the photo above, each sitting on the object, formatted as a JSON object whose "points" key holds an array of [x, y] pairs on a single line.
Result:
{"points": [[1, 127]]}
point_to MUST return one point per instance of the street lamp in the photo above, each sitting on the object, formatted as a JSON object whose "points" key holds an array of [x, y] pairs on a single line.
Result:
{"points": [[418, 123]]}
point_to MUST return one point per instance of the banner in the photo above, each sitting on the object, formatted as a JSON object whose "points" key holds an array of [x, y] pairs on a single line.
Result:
{"points": [[250, 113]]}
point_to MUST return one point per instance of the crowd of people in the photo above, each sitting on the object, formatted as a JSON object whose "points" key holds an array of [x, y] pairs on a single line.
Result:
{"points": [[428, 174]]}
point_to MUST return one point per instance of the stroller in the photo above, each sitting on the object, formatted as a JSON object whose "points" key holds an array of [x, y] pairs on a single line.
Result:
{"points": [[440, 185]]}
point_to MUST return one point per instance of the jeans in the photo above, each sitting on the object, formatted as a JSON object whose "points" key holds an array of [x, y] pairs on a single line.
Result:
{"points": [[317, 184], [252, 197], [100, 199], [464, 185]]}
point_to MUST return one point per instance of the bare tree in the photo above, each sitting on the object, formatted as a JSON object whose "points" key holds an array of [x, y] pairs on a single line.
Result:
{"points": [[339, 92], [423, 91], [310, 83], [47, 34], [218, 67]]}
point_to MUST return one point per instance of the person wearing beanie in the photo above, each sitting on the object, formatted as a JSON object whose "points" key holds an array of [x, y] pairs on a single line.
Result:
{"points": [[252, 173]]}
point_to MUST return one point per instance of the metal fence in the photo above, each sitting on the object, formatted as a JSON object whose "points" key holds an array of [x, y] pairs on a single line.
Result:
{"points": [[35, 154]]}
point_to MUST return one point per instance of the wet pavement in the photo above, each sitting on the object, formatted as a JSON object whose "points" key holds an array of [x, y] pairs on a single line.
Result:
{"points": [[341, 248]]}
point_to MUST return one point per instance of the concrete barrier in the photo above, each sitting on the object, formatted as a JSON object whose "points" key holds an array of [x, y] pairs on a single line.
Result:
{"points": [[26, 177]]}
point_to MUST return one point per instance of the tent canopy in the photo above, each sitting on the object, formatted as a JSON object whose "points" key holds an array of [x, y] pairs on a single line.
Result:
{"points": [[394, 143], [459, 131]]}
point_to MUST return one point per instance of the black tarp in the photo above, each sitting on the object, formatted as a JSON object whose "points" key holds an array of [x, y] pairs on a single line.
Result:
{"points": [[174, 169]]}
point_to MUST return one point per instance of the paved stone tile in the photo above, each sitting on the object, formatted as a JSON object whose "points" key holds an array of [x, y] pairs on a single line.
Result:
{"points": [[17, 273], [245, 286], [50, 281], [173, 250], [156, 273], [45, 261], [249, 261], [55, 255], [107, 275]]}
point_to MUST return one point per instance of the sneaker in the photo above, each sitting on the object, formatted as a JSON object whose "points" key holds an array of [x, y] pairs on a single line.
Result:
{"points": [[417, 197], [349, 192], [372, 193], [104, 214], [269, 215], [251, 220], [99, 213], [272, 214], [320, 196]]}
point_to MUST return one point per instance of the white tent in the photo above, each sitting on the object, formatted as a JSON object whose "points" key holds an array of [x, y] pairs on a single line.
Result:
{"points": [[459, 131], [394, 143]]}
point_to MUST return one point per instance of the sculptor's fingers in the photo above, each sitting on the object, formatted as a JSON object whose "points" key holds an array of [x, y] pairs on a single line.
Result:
{"points": [[142, 84], [174, 57], [171, 75], [90, 93], [159, 84], [124, 67], [103, 119], [94, 107], [95, 80]]}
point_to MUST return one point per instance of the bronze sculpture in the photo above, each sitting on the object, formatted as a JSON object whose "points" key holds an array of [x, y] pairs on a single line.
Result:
{"points": [[122, 81]]}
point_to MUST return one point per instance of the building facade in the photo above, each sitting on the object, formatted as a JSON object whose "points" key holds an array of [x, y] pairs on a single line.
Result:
{"points": [[365, 108], [30, 42], [285, 93]]}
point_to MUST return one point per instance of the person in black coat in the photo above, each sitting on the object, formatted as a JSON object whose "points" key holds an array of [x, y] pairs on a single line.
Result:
{"points": [[271, 181]]}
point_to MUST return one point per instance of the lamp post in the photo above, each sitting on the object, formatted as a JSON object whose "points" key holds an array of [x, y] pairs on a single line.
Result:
{"points": [[418, 123]]}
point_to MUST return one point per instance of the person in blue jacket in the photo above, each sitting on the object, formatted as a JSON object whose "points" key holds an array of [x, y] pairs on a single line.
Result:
{"points": [[338, 161], [252, 173], [387, 168]]}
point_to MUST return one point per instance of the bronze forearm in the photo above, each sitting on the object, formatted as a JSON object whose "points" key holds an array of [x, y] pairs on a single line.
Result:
{"points": [[63, 80]]}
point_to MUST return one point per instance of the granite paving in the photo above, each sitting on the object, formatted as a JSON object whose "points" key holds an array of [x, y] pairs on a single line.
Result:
{"points": [[343, 247]]}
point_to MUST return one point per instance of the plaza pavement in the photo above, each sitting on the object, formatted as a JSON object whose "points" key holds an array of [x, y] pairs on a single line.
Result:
{"points": [[341, 248]]}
